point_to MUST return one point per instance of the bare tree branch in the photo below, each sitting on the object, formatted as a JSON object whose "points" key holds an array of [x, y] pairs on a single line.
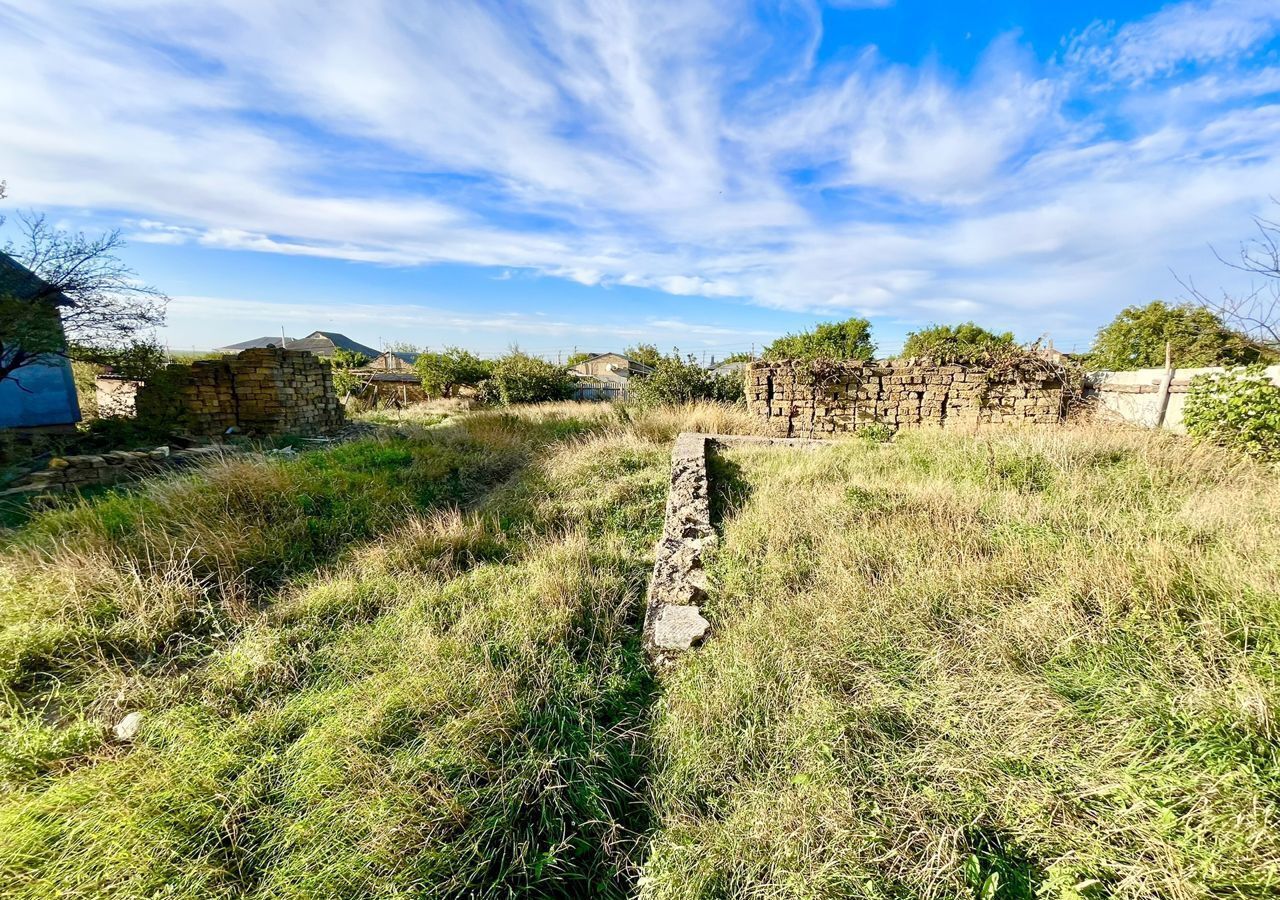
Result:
{"points": [[1256, 313], [100, 299]]}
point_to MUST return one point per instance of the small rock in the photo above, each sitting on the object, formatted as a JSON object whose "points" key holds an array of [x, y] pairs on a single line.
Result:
{"points": [[58, 463], [127, 728], [679, 627]]}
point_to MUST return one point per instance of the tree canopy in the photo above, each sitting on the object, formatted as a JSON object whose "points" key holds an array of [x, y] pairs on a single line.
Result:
{"points": [[850, 339], [965, 342], [453, 367], [1136, 338], [645, 354]]}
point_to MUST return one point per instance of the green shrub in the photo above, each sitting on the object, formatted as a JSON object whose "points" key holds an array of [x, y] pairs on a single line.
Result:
{"points": [[675, 380], [850, 339], [1239, 408], [964, 343], [521, 378]]}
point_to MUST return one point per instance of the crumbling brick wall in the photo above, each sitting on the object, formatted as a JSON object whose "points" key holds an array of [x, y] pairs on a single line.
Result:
{"points": [[803, 399], [258, 391]]}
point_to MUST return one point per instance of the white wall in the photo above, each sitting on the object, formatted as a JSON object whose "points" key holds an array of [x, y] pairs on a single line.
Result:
{"points": [[1134, 397]]}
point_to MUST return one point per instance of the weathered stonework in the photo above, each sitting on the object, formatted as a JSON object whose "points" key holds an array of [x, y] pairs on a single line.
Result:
{"points": [[69, 473], [673, 617], [260, 391], [798, 399]]}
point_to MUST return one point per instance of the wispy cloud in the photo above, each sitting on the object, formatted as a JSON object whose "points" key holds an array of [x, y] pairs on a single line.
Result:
{"points": [[680, 145]]}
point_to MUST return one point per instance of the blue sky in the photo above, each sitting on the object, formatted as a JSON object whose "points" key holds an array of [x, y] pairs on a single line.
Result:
{"points": [[698, 174]]}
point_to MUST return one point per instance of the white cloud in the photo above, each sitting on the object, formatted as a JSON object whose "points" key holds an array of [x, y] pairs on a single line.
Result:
{"points": [[681, 146], [1193, 32]]}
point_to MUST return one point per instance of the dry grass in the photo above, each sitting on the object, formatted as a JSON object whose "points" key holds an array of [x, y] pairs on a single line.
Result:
{"points": [[1044, 663]]}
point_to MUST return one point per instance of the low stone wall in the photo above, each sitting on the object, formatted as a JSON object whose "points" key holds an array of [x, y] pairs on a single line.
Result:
{"points": [[673, 620], [812, 400], [260, 391], [68, 473]]}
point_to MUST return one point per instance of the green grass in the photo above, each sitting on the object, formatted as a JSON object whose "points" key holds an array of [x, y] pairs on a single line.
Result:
{"points": [[945, 666], [1013, 665], [407, 666]]}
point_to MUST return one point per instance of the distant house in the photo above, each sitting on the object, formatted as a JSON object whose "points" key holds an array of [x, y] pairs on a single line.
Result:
{"points": [[321, 343], [394, 361], [43, 396], [610, 367], [607, 376], [730, 369]]}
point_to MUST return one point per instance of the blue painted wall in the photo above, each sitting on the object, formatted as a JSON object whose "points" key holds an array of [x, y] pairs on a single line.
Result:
{"points": [[49, 397]]}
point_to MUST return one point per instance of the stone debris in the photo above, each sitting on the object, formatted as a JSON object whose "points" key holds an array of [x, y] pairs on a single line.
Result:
{"points": [[679, 628], [794, 400], [128, 728]]}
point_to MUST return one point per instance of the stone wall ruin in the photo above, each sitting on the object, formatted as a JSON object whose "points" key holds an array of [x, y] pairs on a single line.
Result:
{"points": [[804, 399], [264, 391]]}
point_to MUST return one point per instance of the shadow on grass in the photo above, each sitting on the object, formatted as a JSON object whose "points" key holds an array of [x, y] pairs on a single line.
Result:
{"points": [[730, 489]]}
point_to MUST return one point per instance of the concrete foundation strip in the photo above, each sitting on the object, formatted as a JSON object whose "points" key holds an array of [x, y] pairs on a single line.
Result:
{"points": [[673, 619]]}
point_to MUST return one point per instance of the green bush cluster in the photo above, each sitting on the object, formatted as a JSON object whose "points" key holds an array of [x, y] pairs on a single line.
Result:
{"points": [[850, 339], [682, 380], [963, 343], [1239, 408], [521, 378], [444, 372]]}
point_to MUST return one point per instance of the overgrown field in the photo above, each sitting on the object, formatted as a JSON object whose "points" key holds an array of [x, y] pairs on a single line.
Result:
{"points": [[948, 666], [1011, 665], [407, 666]]}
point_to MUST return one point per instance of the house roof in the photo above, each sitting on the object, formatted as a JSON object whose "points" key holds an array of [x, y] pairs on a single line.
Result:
{"points": [[321, 343], [409, 358], [256, 343], [326, 342], [19, 281], [638, 366]]}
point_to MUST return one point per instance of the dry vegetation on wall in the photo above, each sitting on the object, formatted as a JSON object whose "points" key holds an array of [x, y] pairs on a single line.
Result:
{"points": [[1040, 664], [411, 666]]}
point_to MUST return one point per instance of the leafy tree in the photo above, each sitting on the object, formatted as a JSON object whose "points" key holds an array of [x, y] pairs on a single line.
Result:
{"points": [[348, 359], [402, 347], [741, 356], [575, 358], [78, 280], [645, 354], [521, 378], [140, 360], [442, 373], [344, 363], [965, 342], [675, 380], [1136, 338], [850, 339]]}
